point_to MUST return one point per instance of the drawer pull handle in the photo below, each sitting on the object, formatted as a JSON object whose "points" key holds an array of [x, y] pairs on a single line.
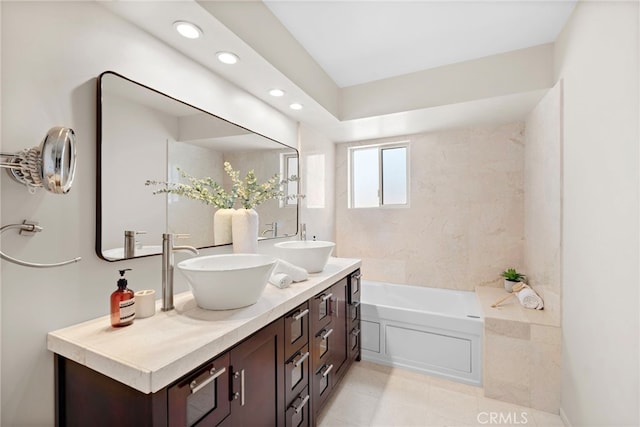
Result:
{"points": [[329, 368], [298, 408], [355, 332], [239, 394], [358, 276], [302, 314], [326, 334], [298, 362], [326, 297], [242, 387], [195, 387], [355, 304]]}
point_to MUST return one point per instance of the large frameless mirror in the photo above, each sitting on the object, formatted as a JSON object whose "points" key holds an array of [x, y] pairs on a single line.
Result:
{"points": [[146, 135]]}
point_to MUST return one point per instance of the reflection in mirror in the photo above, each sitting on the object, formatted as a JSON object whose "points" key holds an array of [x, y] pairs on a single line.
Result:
{"points": [[146, 135]]}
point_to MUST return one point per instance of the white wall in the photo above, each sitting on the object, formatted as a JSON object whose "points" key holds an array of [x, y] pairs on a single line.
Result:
{"points": [[318, 166], [52, 53], [597, 57]]}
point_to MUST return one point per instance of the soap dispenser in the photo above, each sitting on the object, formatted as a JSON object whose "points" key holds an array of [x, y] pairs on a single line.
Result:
{"points": [[123, 303]]}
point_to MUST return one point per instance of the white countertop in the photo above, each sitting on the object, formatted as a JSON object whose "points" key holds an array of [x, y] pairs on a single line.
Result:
{"points": [[153, 352]]}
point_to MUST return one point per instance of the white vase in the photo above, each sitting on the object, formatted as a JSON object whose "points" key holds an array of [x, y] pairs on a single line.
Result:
{"points": [[244, 230], [509, 284], [222, 226]]}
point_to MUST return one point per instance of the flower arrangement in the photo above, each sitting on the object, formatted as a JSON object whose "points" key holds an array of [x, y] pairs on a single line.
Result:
{"points": [[248, 192]]}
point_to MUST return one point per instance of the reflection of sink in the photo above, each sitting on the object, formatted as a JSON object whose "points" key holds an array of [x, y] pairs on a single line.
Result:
{"points": [[310, 255], [225, 282], [118, 253]]}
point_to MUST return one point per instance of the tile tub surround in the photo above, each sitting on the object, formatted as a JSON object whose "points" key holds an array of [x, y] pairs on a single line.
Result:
{"points": [[543, 199], [522, 352], [465, 221], [153, 352]]}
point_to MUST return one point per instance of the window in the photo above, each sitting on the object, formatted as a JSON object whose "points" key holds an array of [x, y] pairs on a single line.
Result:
{"points": [[379, 175], [290, 167]]}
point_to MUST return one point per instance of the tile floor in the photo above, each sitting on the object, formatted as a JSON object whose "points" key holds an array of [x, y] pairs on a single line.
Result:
{"points": [[376, 395]]}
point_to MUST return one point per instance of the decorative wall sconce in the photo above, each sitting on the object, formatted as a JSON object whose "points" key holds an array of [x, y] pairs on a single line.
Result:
{"points": [[51, 165]]}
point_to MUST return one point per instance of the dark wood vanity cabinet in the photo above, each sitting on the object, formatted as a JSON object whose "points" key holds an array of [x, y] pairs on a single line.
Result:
{"points": [[280, 376], [335, 340], [257, 379]]}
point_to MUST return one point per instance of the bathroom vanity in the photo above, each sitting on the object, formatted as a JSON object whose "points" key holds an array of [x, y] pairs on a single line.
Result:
{"points": [[274, 363]]}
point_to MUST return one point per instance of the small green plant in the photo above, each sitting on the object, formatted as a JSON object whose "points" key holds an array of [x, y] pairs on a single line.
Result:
{"points": [[512, 275]]}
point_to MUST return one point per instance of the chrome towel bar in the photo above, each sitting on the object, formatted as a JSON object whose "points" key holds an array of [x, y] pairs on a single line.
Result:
{"points": [[28, 229]]}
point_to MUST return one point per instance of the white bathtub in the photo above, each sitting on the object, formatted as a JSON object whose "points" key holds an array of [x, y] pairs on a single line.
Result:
{"points": [[435, 331]]}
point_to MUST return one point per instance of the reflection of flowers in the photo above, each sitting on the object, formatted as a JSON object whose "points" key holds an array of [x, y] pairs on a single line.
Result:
{"points": [[247, 192]]}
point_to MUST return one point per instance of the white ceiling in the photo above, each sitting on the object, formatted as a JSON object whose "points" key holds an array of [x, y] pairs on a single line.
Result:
{"points": [[362, 41], [316, 50]]}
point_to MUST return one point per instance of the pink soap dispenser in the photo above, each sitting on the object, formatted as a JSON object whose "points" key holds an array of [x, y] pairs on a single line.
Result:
{"points": [[123, 303]]}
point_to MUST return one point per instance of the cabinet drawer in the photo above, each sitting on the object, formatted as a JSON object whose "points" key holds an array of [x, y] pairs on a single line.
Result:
{"points": [[322, 383], [354, 342], [298, 414], [296, 329], [354, 312], [296, 373], [322, 343], [320, 309], [201, 398], [354, 286]]}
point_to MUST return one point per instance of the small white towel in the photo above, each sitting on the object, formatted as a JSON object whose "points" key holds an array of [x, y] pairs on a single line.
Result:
{"points": [[280, 280], [297, 274], [530, 299]]}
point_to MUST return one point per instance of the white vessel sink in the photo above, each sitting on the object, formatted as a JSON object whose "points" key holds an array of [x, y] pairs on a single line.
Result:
{"points": [[226, 282], [118, 253], [309, 254]]}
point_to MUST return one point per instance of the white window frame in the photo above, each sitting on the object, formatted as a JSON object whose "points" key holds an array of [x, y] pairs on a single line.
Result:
{"points": [[380, 147], [284, 174]]}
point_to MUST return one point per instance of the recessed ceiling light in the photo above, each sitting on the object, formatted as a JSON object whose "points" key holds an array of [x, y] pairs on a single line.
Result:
{"points": [[227, 57], [276, 92], [295, 106], [187, 29]]}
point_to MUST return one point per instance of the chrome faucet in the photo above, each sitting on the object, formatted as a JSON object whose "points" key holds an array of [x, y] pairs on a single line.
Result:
{"points": [[273, 230], [168, 249], [303, 231], [130, 243]]}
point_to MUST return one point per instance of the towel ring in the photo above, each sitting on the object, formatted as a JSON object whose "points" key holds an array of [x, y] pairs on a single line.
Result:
{"points": [[28, 229], [51, 165]]}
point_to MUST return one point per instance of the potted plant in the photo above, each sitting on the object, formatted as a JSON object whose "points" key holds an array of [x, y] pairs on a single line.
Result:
{"points": [[511, 277], [239, 225]]}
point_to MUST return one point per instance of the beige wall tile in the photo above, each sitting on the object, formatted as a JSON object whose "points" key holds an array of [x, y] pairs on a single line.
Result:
{"points": [[546, 376], [508, 328], [465, 222], [507, 392], [507, 359], [543, 194]]}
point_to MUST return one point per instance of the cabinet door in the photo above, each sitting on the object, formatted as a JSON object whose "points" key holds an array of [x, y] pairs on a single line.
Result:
{"points": [[257, 383], [201, 398], [340, 318]]}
